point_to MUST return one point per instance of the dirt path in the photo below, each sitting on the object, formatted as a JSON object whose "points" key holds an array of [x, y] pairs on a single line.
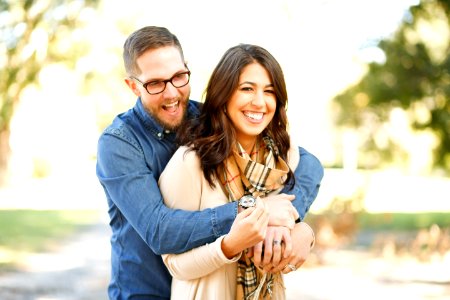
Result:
{"points": [[355, 275], [78, 271]]}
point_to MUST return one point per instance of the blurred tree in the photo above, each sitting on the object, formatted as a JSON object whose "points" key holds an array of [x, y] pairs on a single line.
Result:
{"points": [[414, 77], [33, 33]]}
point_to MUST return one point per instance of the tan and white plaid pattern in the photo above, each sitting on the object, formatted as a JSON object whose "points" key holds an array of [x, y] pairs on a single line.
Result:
{"points": [[257, 173], [247, 278], [254, 284]]}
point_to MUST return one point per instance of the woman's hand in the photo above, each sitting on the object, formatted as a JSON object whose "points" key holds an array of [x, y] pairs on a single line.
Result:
{"points": [[248, 229], [276, 245]]}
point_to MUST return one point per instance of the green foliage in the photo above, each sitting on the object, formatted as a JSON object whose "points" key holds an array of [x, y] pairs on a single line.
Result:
{"points": [[31, 231], [364, 221], [33, 34], [35, 230], [415, 77], [403, 221]]}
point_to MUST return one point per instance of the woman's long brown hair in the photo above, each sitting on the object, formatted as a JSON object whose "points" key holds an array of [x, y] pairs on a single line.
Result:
{"points": [[212, 134]]}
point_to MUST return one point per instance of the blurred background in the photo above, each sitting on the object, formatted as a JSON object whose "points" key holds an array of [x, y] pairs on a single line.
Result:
{"points": [[369, 90]]}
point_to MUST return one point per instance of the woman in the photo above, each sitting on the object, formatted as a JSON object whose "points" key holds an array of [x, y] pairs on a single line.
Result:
{"points": [[239, 146]]}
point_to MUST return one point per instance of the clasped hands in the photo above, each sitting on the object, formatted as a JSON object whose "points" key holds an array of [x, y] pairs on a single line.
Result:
{"points": [[269, 234]]}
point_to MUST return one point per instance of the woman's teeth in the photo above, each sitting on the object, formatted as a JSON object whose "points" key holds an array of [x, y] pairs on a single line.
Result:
{"points": [[254, 116]]}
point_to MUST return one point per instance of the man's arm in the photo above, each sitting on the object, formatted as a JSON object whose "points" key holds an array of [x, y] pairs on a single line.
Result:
{"points": [[308, 175], [130, 184]]}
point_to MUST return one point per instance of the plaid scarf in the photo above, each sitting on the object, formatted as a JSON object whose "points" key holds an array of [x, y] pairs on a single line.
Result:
{"points": [[254, 284], [257, 173]]}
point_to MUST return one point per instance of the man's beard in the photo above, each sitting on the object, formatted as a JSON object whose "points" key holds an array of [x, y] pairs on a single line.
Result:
{"points": [[170, 126]]}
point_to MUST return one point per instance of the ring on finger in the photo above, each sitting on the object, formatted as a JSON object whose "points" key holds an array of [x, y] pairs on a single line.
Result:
{"points": [[275, 242], [291, 266]]}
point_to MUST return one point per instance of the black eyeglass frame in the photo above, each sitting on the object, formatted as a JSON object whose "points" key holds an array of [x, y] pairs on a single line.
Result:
{"points": [[145, 84]]}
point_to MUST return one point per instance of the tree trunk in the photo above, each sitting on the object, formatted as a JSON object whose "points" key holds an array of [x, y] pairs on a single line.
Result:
{"points": [[5, 153]]}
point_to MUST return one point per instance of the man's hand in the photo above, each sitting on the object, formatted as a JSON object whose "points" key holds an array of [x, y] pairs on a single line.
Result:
{"points": [[282, 212], [302, 242], [248, 229]]}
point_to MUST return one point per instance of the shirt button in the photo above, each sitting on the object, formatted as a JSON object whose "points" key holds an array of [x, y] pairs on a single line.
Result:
{"points": [[160, 134]]}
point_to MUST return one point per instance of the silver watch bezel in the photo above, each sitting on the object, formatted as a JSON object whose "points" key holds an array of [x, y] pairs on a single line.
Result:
{"points": [[247, 201]]}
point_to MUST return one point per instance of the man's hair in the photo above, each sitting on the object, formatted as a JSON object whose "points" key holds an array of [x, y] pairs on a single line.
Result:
{"points": [[146, 38]]}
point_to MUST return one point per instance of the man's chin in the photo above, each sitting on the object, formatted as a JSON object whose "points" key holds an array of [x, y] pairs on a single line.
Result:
{"points": [[171, 125]]}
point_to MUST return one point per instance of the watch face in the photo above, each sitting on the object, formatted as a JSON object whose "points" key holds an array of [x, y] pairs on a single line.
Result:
{"points": [[247, 201]]}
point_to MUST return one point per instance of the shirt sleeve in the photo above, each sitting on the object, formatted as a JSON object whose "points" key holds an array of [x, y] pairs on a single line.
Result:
{"points": [[308, 176], [183, 179], [130, 184]]}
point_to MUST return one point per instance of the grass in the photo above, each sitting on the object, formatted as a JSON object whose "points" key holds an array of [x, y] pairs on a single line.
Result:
{"points": [[403, 221], [387, 221], [364, 229], [27, 231]]}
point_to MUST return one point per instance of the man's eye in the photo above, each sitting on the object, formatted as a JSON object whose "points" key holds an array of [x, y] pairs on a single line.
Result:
{"points": [[154, 83]]}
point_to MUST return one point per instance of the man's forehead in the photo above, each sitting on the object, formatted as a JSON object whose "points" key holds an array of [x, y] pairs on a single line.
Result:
{"points": [[160, 63]]}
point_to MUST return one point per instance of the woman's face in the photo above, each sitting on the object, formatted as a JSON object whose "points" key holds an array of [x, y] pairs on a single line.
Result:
{"points": [[252, 105]]}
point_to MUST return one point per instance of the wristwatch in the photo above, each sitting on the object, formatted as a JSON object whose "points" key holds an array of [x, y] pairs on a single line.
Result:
{"points": [[247, 201]]}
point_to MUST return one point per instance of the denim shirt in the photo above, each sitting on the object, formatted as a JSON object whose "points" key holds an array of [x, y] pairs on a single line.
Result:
{"points": [[132, 153]]}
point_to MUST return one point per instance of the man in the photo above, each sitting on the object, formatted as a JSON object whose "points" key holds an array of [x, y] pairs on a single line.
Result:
{"points": [[132, 153]]}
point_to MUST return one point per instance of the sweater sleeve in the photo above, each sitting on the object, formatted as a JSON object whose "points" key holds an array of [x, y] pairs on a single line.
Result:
{"points": [[197, 262], [183, 179]]}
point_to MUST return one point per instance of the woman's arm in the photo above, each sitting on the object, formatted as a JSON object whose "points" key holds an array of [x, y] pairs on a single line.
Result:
{"points": [[183, 179], [197, 262]]}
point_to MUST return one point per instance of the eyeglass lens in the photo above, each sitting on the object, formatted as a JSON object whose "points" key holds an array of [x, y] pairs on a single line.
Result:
{"points": [[178, 80]]}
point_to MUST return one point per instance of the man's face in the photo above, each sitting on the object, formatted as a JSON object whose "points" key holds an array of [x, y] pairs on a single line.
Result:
{"points": [[168, 107]]}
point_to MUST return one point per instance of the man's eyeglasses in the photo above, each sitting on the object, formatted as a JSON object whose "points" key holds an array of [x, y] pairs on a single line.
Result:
{"points": [[158, 86]]}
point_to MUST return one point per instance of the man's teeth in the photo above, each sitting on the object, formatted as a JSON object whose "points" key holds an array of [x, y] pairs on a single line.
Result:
{"points": [[254, 116], [171, 105]]}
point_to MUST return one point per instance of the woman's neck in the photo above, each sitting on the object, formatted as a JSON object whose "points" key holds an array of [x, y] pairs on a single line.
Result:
{"points": [[248, 144]]}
